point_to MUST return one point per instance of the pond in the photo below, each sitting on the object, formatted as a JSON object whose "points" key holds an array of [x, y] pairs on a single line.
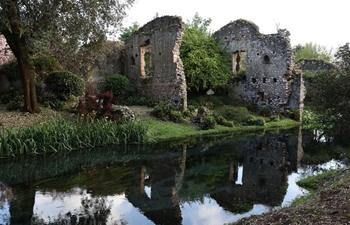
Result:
{"points": [[213, 180]]}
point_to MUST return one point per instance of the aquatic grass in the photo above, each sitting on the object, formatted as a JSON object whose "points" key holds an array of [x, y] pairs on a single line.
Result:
{"points": [[59, 134]]}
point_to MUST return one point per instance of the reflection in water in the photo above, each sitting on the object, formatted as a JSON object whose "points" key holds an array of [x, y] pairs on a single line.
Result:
{"points": [[208, 183]]}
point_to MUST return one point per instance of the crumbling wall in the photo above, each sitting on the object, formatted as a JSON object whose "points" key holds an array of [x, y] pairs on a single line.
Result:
{"points": [[94, 64], [152, 60], [315, 65], [269, 65]]}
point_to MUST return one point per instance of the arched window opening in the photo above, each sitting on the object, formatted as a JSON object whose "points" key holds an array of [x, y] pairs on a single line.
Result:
{"points": [[267, 59]]}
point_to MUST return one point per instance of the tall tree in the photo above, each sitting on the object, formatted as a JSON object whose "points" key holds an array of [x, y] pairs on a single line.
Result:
{"points": [[312, 51], [206, 64], [25, 22]]}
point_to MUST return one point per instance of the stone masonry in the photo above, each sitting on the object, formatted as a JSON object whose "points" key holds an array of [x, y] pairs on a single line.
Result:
{"points": [[152, 61], [271, 80]]}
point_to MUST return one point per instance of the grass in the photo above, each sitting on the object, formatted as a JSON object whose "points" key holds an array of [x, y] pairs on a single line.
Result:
{"points": [[165, 130], [60, 134], [313, 183]]}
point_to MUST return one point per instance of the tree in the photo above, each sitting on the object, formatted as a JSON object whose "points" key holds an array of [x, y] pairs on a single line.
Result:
{"points": [[25, 22], [206, 64], [283, 32], [333, 91], [312, 51], [127, 32]]}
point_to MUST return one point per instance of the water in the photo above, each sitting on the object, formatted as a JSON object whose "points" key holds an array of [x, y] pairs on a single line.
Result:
{"points": [[211, 181]]}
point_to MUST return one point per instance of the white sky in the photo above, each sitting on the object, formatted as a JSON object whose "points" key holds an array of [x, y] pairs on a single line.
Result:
{"points": [[317, 21]]}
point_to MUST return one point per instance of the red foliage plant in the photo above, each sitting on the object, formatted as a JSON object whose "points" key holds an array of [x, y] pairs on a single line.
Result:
{"points": [[97, 105]]}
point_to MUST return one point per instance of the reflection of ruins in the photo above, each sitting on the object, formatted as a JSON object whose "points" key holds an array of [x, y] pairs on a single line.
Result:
{"points": [[158, 184], [267, 161]]}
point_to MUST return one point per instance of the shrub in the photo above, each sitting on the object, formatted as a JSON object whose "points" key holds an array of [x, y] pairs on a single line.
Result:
{"points": [[12, 98], [98, 106], [237, 114], [222, 121], [209, 123], [63, 84], [265, 111], [294, 114], [275, 118], [117, 84], [165, 111], [252, 121], [139, 100]]}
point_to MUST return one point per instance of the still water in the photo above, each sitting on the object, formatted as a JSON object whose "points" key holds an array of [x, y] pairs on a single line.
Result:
{"points": [[213, 180]]}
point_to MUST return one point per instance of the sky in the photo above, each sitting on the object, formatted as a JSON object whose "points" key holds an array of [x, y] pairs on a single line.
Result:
{"points": [[318, 21]]}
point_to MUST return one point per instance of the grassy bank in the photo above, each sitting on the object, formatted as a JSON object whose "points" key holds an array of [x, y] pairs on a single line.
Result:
{"points": [[165, 130]]}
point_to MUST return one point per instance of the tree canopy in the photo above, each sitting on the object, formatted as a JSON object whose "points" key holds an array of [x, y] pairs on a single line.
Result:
{"points": [[36, 26], [333, 91], [206, 64], [312, 51]]}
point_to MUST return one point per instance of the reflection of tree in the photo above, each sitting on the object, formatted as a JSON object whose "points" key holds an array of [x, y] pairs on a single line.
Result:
{"points": [[6, 194], [93, 210]]}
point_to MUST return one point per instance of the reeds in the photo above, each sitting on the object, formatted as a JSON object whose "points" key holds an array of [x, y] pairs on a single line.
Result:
{"points": [[64, 135]]}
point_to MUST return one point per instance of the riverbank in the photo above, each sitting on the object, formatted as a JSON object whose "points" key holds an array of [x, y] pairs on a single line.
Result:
{"points": [[159, 130], [329, 204]]}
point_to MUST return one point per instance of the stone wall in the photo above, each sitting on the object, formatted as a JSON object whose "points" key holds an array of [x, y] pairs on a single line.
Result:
{"points": [[315, 65], [94, 64], [152, 60], [269, 65]]}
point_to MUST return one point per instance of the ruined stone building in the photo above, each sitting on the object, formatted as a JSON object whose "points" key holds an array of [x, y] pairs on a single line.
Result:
{"points": [[271, 80], [152, 60]]}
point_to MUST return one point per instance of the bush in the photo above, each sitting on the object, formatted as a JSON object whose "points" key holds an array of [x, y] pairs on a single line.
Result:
{"points": [[294, 114], [63, 84], [139, 100], [265, 111], [165, 111], [222, 121], [117, 84], [12, 98], [237, 114], [252, 121], [98, 106], [209, 123], [275, 118]]}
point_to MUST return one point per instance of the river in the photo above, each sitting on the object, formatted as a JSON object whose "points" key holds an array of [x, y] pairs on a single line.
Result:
{"points": [[211, 180]]}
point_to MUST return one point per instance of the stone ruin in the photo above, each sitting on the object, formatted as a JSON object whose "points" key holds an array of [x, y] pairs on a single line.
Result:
{"points": [[315, 65], [152, 60], [271, 80]]}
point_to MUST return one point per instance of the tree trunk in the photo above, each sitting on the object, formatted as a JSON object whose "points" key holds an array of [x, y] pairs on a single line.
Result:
{"points": [[17, 42]]}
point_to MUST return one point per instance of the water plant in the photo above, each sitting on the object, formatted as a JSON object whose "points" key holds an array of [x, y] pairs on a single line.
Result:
{"points": [[60, 134]]}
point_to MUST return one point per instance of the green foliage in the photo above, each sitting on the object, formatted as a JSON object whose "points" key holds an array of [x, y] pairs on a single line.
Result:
{"points": [[45, 64], [12, 98], [275, 118], [331, 89], [237, 114], [118, 85], [128, 31], [265, 111], [222, 121], [142, 101], [312, 51], [165, 111], [63, 84], [205, 63], [208, 123], [255, 121], [209, 101], [294, 114], [10, 70], [60, 134]]}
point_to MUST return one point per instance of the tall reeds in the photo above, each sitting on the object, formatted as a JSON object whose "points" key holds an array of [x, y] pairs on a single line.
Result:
{"points": [[64, 135]]}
